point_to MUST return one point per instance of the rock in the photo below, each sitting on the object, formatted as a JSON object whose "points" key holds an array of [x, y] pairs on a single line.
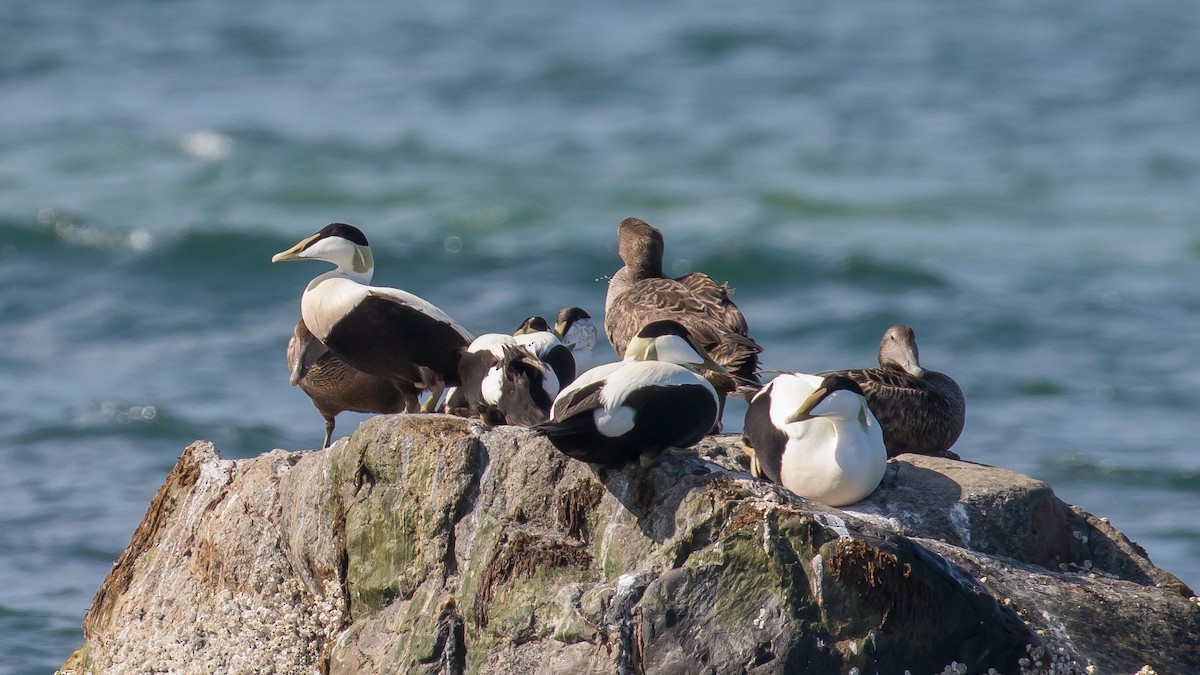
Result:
{"points": [[998, 512], [1072, 577], [428, 544], [235, 568]]}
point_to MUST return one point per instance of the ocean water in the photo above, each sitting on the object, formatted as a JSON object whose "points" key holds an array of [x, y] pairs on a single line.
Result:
{"points": [[1018, 181]]}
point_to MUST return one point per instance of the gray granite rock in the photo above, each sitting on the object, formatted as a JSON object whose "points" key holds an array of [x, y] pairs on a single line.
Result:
{"points": [[428, 544]]}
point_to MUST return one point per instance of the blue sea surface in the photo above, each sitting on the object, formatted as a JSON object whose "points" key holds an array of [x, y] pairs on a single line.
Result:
{"points": [[1018, 181]]}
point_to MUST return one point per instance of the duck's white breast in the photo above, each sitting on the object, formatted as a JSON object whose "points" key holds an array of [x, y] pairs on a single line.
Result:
{"points": [[327, 300], [834, 463]]}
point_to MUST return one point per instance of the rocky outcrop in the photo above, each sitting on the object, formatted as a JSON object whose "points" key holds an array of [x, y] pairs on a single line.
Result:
{"points": [[428, 544]]}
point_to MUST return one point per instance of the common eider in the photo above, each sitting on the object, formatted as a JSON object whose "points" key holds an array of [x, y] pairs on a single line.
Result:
{"points": [[816, 437], [920, 410], [381, 331], [638, 407], [535, 334], [334, 387], [504, 382], [640, 293], [574, 327]]}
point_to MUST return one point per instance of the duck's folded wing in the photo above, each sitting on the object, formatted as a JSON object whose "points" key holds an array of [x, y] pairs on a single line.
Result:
{"points": [[575, 401], [646, 301], [718, 299], [883, 381], [711, 321], [421, 305]]}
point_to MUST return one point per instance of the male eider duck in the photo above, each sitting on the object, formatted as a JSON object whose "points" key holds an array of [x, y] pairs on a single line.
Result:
{"points": [[640, 293], [381, 331], [535, 334], [574, 327], [335, 387], [504, 382], [816, 437], [920, 410], [639, 407]]}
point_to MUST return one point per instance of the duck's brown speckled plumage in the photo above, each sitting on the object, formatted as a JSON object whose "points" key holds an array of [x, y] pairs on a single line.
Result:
{"points": [[921, 411], [640, 293], [334, 386]]}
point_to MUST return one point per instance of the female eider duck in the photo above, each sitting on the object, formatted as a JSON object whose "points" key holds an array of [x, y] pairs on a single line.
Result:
{"points": [[335, 387], [639, 407], [504, 382], [535, 334], [640, 293], [920, 410], [381, 331], [816, 437], [574, 327]]}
